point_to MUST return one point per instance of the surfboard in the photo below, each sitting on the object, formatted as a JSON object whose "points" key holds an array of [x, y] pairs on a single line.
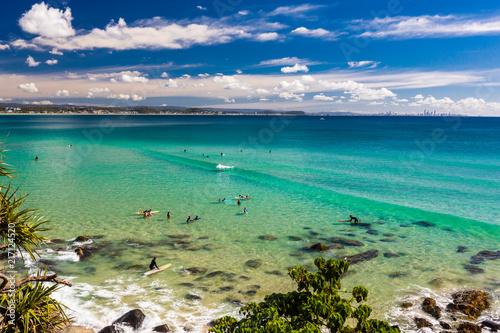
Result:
{"points": [[153, 212], [344, 220], [161, 268], [241, 198]]}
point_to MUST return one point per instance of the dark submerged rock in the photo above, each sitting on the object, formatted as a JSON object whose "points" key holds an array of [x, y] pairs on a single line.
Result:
{"points": [[424, 224], [344, 241], [254, 263], [362, 225], [179, 236], [429, 306], [191, 297], [360, 257], [491, 324], [133, 318], [372, 232], [294, 238], [213, 274], [421, 322], [484, 255], [474, 269], [388, 240], [391, 255], [196, 270], [397, 274], [81, 239], [406, 305], [461, 249], [267, 237], [388, 234]]}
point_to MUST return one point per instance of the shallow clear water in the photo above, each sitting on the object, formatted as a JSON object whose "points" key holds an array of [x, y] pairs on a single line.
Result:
{"points": [[387, 171]]}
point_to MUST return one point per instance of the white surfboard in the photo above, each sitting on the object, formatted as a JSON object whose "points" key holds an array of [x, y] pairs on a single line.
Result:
{"points": [[159, 269]]}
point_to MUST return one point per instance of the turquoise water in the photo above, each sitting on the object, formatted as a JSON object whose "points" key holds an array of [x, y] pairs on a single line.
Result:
{"points": [[303, 174]]}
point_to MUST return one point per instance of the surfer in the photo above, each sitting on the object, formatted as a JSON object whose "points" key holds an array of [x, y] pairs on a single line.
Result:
{"points": [[36, 158], [245, 210], [197, 218], [153, 264], [353, 219], [218, 200], [189, 219]]}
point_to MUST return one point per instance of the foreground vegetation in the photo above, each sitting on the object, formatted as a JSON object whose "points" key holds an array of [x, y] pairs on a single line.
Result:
{"points": [[25, 304], [315, 306]]}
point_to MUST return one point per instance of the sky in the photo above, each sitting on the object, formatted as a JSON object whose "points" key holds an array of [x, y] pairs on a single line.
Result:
{"points": [[363, 56]]}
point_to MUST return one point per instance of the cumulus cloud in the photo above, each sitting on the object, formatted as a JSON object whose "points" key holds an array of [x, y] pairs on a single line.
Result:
{"points": [[428, 26], [30, 61], [232, 83], [243, 12], [288, 95], [204, 75], [125, 97], [365, 63], [229, 100], [129, 78], [267, 36], [154, 35], [164, 75], [293, 86], [41, 102], [315, 33], [4, 47], [51, 62], [28, 87], [358, 91], [307, 78], [261, 91], [62, 93], [296, 68], [47, 22], [239, 71], [186, 76], [322, 97], [171, 84], [55, 51]]}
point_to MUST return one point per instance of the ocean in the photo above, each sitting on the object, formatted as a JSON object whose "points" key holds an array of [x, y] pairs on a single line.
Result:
{"points": [[426, 185]]}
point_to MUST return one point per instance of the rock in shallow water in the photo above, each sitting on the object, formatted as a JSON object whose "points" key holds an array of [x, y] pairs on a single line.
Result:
{"points": [[254, 263], [474, 269], [267, 237], [360, 257], [347, 242], [485, 255], [429, 306], [421, 322], [133, 318], [424, 224]]}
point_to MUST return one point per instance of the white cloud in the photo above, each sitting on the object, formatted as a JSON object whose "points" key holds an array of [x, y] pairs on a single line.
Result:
{"points": [[427, 26], [232, 83], [203, 75], [419, 96], [47, 22], [322, 97], [5, 99], [229, 100], [293, 86], [307, 78], [261, 91], [358, 91], [28, 87], [128, 78], [380, 103], [365, 63], [315, 33], [262, 99], [156, 35], [294, 11], [296, 68], [51, 62], [4, 47], [171, 84], [186, 76], [267, 36], [288, 95], [164, 75], [199, 85], [41, 103], [55, 51], [30, 61], [62, 93], [201, 8], [239, 71], [243, 12]]}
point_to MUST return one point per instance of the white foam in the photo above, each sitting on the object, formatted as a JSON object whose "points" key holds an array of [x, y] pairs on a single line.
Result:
{"points": [[222, 167]]}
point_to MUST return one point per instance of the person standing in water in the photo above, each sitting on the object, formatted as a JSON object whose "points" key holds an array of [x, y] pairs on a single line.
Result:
{"points": [[239, 202], [153, 264], [36, 158], [168, 215]]}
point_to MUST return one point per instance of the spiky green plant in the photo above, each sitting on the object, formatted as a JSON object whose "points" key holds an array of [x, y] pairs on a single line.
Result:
{"points": [[35, 310], [27, 223]]}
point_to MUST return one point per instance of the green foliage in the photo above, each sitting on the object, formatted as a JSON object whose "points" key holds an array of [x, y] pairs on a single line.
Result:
{"points": [[35, 310], [315, 306]]}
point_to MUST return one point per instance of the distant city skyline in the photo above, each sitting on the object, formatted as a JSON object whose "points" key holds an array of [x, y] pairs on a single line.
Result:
{"points": [[367, 57]]}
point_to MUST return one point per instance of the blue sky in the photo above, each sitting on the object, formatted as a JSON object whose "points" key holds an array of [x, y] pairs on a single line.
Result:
{"points": [[360, 56]]}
